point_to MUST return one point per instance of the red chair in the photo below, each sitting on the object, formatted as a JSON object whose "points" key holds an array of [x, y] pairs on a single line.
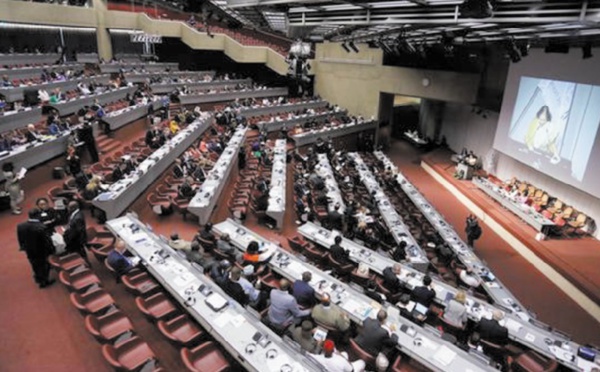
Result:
{"points": [[181, 207], [78, 280], [66, 262], [101, 252], [205, 358], [92, 302], [129, 355], [107, 328], [396, 366], [140, 284], [165, 192], [57, 192], [159, 205], [358, 353], [339, 268], [156, 307], [180, 330], [297, 243], [533, 362]]}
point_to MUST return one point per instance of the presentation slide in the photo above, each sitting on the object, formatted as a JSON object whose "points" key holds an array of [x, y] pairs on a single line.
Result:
{"points": [[553, 128]]}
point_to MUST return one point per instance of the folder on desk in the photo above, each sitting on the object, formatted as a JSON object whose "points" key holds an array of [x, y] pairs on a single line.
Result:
{"points": [[444, 355], [216, 302]]}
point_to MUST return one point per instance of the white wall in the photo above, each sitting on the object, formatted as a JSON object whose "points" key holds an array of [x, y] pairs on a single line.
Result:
{"points": [[462, 128]]}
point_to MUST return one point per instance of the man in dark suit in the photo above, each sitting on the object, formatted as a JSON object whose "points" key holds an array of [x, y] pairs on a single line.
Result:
{"points": [[86, 135], [179, 171], [233, 288], [390, 278], [75, 234], [34, 240], [373, 338], [336, 219], [303, 292], [338, 253], [491, 330], [424, 294], [154, 138]]}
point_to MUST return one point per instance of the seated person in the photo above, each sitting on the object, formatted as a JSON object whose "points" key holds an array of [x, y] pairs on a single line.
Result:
{"points": [[262, 202], [406, 309], [371, 292], [456, 312], [219, 272], [32, 135], [117, 259], [338, 253], [257, 298], [224, 246], [399, 253], [179, 170], [206, 234], [335, 361], [233, 288], [469, 278], [491, 330], [186, 190], [304, 336], [154, 138], [284, 309], [330, 315], [196, 254], [252, 254], [179, 244], [118, 173], [373, 338], [303, 292], [92, 189], [424, 294], [390, 278]]}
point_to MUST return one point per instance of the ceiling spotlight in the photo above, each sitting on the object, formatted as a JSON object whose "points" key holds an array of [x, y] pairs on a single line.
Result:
{"points": [[587, 51], [353, 46], [345, 47]]}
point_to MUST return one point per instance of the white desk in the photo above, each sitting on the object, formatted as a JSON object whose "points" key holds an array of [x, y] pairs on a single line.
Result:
{"points": [[190, 99], [393, 221], [19, 119], [12, 94], [334, 195], [161, 88], [276, 208], [87, 57], [207, 196], [258, 110], [73, 105], [142, 77], [36, 72], [525, 212], [123, 193], [528, 334], [232, 326], [32, 154], [311, 136], [420, 344], [127, 66], [11, 59], [272, 126], [117, 119]]}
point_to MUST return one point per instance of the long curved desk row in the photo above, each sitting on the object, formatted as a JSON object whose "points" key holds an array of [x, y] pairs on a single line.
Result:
{"points": [[551, 344], [208, 194], [142, 77], [259, 110], [159, 88], [334, 195], [230, 324], [87, 57], [36, 72], [11, 59], [123, 193], [272, 126], [497, 291], [35, 153], [124, 116], [392, 219], [127, 66], [278, 187], [191, 99], [421, 344], [341, 130], [12, 94]]}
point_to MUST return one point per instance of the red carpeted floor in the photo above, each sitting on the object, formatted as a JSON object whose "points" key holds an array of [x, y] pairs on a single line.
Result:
{"points": [[42, 330]]}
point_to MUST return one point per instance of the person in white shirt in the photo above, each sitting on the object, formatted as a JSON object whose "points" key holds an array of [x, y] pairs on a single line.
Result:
{"points": [[334, 361], [467, 277]]}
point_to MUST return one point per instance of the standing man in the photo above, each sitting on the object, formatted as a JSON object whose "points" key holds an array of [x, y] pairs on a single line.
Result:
{"points": [[75, 234], [34, 240], [473, 230], [86, 135]]}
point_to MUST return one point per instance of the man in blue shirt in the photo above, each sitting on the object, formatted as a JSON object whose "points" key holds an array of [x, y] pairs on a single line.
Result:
{"points": [[117, 259], [303, 292]]}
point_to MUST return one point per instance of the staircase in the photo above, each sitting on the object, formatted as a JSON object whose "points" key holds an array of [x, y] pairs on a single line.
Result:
{"points": [[106, 144]]}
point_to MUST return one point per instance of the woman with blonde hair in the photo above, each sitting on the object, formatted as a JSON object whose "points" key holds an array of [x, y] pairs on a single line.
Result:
{"points": [[456, 312]]}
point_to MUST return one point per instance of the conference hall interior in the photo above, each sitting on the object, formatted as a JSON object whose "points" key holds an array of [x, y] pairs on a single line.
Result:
{"points": [[300, 185]]}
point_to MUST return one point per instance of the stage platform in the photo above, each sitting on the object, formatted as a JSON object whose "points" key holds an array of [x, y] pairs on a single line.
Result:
{"points": [[575, 260]]}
